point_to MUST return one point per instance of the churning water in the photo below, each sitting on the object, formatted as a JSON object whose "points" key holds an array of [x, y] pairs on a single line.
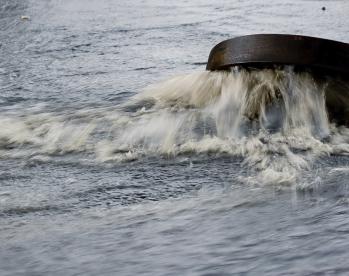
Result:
{"points": [[275, 119], [108, 170]]}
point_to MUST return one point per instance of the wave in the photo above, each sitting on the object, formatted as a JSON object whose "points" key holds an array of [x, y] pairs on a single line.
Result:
{"points": [[275, 119]]}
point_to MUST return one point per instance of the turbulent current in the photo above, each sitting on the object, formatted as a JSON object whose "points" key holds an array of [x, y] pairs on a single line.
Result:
{"points": [[275, 119], [121, 155]]}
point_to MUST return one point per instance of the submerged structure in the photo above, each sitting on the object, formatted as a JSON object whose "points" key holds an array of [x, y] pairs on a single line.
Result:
{"points": [[326, 60]]}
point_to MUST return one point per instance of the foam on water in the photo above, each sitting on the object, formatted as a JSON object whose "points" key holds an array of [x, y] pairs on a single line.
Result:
{"points": [[275, 119]]}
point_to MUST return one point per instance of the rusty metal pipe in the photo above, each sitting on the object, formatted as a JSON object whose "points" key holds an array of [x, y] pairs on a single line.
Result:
{"points": [[322, 57], [263, 50]]}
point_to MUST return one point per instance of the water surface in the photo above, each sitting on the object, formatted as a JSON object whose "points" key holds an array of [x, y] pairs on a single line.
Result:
{"points": [[97, 178]]}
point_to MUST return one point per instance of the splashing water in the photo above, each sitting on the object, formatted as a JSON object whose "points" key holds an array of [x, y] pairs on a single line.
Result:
{"points": [[275, 119]]}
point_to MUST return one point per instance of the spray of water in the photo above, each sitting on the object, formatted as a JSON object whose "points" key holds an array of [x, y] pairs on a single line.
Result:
{"points": [[275, 119]]}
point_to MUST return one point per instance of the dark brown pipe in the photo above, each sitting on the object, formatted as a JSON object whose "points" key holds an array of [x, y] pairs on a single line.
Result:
{"points": [[262, 50], [322, 57]]}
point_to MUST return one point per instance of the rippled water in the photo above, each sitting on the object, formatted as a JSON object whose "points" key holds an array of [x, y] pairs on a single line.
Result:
{"points": [[100, 178]]}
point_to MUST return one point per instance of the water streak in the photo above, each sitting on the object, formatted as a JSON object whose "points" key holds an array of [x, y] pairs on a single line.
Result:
{"points": [[275, 119]]}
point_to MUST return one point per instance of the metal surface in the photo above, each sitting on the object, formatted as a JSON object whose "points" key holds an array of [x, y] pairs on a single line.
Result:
{"points": [[275, 49], [321, 56]]}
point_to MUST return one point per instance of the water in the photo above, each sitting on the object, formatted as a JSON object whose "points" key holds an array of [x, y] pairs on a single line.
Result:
{"points": [[120, 155]]}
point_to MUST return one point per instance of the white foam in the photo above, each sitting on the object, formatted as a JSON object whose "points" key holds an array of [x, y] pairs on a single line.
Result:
{"points": [[274, 119]]}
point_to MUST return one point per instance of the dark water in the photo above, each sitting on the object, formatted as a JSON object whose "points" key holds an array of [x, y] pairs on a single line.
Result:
{"points": [[91, 187]]}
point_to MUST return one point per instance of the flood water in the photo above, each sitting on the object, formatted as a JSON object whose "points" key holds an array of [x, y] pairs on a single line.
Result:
{"points": [[120, 155]]}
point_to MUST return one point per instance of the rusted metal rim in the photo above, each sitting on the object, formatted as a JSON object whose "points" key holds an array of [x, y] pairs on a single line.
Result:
{"points": [[278, 49]]}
